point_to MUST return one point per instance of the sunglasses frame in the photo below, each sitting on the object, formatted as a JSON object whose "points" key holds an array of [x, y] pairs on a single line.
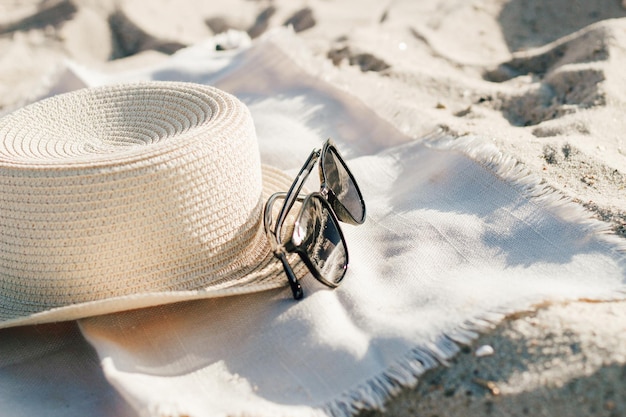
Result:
{"points": [[328, 200]]}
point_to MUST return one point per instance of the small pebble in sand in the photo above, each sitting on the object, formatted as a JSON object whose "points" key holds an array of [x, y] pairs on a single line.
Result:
{"points": [[484, 350], [402, 46]]}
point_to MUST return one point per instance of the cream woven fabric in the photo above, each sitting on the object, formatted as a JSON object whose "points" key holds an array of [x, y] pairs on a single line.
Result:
{"points": [[457, 236], [126, 196]]}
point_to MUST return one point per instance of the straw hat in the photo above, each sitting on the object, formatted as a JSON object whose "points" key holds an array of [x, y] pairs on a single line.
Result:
{"points": [[128, 196]]}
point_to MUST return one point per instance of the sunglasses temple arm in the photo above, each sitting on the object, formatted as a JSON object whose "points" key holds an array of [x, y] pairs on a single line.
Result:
{"points": [[295, 188], [296, 288]]}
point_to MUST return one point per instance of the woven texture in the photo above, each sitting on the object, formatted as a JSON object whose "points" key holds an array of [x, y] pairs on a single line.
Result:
{"points": [[128, 190]]}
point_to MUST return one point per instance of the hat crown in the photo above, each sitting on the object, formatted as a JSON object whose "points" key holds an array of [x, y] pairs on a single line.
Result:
{"points": [[126, 189]]}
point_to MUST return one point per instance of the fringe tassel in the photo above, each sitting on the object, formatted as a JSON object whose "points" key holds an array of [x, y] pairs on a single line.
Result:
{"points": [[406, 372], [532, 186]]}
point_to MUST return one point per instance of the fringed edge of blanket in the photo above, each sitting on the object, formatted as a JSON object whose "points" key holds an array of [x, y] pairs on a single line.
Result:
{"points": [[487, 154], [405, 373]]}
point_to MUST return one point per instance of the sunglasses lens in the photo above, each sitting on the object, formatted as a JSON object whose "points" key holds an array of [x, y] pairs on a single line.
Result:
{"points": [[347, 192], [322, 241]]}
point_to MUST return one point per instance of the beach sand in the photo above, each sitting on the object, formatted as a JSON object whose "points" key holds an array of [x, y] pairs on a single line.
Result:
{"points": [[544, 80]]}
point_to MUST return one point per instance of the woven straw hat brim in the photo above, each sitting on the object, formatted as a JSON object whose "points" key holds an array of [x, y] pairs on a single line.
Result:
{"points": [[131, 196], [268, 275]]}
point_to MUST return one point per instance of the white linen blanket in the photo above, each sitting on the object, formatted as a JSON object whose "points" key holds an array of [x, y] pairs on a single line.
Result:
{"points": [[457, 236]]}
